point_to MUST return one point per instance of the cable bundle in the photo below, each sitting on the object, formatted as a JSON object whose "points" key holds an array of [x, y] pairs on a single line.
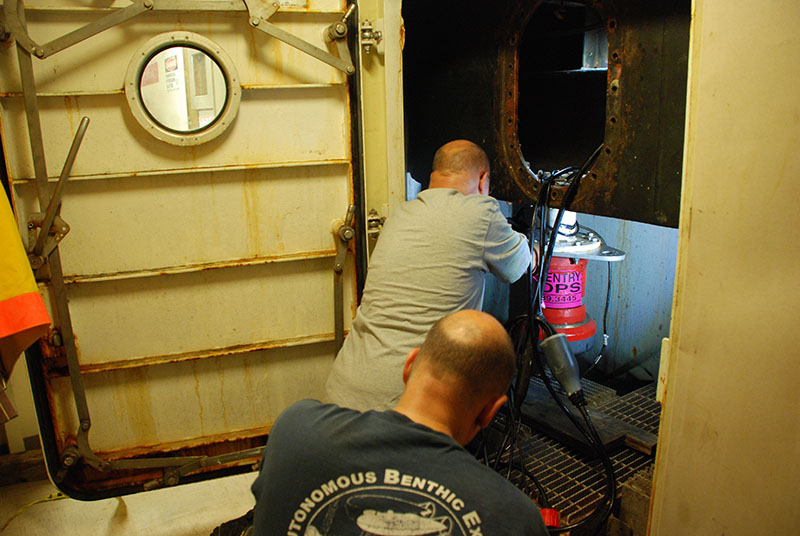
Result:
{"points": [[525, 332]]}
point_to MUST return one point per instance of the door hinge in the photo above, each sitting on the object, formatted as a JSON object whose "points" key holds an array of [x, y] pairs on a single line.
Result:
{"points": [[374, 224], [372, 36]]}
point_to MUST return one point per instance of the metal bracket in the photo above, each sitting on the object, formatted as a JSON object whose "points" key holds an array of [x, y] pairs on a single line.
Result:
{"points": [[57, 231], [260, 11], [371, 36], [374, 224], [344, 234], [70, 455], [172, 475], [13, 10], [174, 468], [587, 243], [51, 228]]}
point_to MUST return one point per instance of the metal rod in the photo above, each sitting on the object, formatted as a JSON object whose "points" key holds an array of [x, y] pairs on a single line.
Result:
{"points": [[199, 267], [94, 28], [34, 124], [338, 314], [197, 6], [245, 87], [138, 362], [207, 169], [56, 274], [304, 46], [344, 234], [55, 200]]}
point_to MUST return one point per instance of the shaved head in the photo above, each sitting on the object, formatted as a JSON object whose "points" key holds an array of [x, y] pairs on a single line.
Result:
{"points": [[470, 349], [460, 156]]}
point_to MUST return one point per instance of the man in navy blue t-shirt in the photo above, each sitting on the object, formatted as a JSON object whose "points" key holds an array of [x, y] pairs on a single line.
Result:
{"points": [[331, 471]]}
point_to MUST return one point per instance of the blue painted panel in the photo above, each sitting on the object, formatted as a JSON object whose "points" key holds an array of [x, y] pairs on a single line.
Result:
{"points": [[641, 293]]}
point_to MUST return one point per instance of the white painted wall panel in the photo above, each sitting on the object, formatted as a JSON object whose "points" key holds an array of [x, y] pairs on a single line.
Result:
{"points": [[184, 357], [99, 64], [174, 314], [294, 5], [187, 403], [273, 126], [151, 222]]}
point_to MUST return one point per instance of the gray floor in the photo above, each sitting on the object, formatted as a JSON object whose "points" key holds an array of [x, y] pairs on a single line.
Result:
{"points": [[191, 509]]}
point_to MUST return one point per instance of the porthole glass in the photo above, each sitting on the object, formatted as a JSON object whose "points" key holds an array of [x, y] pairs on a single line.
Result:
{"points": [[182, 88]]}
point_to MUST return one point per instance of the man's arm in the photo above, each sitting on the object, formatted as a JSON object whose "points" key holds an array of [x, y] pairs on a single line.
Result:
{"points": [[506, 252]]}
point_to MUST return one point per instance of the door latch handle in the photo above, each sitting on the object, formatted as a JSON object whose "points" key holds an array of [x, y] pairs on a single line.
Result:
{"points": [[344, 234]]}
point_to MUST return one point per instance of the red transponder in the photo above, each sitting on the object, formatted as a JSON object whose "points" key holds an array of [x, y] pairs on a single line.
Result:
{"points": [[562, 298]]}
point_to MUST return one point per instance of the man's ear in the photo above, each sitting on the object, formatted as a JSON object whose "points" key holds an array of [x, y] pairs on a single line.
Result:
{"points": [[412, 355], [483, 183], [491, 407]]}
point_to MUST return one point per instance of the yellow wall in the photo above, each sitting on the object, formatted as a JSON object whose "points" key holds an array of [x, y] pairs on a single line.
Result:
{"points": [[730, 435]]}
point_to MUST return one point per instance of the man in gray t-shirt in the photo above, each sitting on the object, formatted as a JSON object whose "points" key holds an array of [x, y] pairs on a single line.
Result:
{"points": [[431, 260]]}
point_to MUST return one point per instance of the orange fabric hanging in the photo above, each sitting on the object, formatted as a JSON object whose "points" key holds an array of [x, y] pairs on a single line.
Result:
{"points": [[23, 316]]}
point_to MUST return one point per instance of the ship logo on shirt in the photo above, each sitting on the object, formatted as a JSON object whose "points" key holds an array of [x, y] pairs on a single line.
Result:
{"points": [[382, 514], [391, 523], [399, 505]]}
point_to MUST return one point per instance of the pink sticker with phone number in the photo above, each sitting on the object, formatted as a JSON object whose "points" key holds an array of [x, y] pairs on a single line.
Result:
{"points": [[563, 290]]}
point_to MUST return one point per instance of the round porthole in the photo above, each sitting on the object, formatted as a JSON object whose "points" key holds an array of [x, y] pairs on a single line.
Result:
{"points": [[183, 88]]}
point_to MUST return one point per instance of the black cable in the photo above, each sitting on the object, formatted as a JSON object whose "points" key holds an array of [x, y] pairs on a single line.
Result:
{"points": [[597, 443], [544, 208], [482, 447], [605, 332], [524, 365], [602, 513], [611, 480], [546, 247], [566, 202], [520, 389], [506, 437], [515, 424], [544, 502], [530, 327]]}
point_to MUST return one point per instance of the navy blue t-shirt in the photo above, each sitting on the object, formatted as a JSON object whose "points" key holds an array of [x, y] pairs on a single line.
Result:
{"points": [[334, 471]]}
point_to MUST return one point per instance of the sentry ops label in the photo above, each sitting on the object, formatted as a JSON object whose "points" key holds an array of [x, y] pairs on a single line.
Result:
{"points": [[563, 290]]}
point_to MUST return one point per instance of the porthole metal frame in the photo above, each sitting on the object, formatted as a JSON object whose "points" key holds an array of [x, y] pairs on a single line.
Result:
{"points": [[191, 40]]}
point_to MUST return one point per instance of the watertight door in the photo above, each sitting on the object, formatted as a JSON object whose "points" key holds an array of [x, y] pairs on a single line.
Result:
{"points": [[193, 296]]}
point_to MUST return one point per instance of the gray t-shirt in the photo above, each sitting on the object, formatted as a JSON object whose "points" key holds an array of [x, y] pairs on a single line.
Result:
{"points": [[431, 260], [333, 471]]}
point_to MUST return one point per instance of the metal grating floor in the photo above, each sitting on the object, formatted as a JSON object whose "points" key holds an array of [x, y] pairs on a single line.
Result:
{"points": [[595, 393], [574, 483], [638, 408]]}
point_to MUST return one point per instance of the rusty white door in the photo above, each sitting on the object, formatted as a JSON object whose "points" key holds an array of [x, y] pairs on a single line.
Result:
{"points": [[193, 296]]}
